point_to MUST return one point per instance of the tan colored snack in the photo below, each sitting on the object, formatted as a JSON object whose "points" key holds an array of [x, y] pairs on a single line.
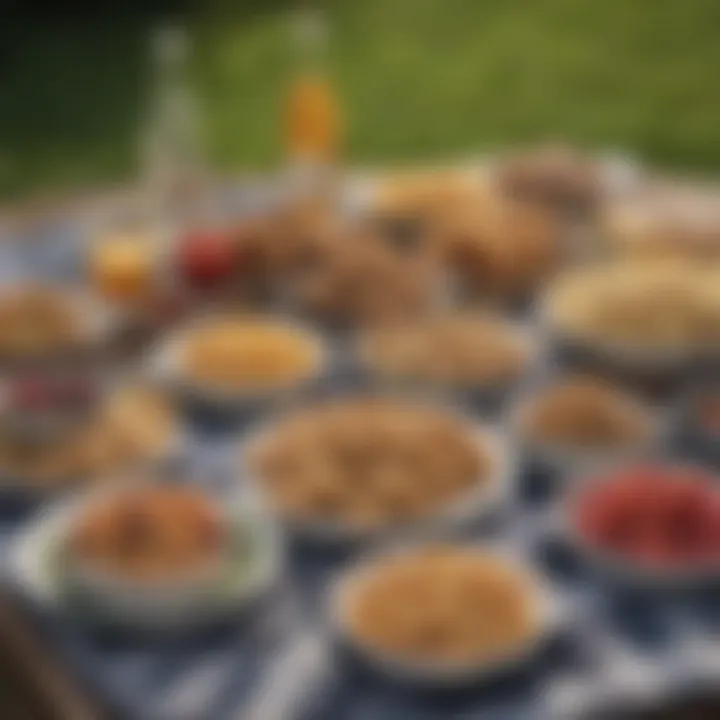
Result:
{"points": [[149, 533], [466, 349], [500, 248], [369, 463], [249, 354], [584, 412], [442, 605]]}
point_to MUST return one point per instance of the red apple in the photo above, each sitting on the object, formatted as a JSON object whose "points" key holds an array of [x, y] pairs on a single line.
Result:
{"points": [[206, 258]]}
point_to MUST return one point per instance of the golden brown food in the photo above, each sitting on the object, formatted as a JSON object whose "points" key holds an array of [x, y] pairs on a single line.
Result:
{"points": [[369, 462], [292, 238], [149, 533], [586, 413], [36, 321], [249, 354], [663, 304], [344, 271], [443, 605], [500, 248], [470, 349], [364, 281], [134, 425]]}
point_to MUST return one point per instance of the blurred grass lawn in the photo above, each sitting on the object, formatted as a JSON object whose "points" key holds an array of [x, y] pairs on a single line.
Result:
{"points": [[418, 78]]}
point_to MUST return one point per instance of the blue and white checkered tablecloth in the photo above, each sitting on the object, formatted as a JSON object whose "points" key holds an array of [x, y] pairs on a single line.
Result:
{"points": [[615, 642]]}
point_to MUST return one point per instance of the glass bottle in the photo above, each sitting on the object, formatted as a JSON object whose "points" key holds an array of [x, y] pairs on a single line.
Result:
{"points": [[312, 118]]}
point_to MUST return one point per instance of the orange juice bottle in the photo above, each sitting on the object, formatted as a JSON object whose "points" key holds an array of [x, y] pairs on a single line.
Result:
{"points": [[312, 122], [122, 267]]}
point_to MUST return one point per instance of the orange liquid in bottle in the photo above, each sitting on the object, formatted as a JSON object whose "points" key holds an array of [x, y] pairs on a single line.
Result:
{"points": [[312, 122]]}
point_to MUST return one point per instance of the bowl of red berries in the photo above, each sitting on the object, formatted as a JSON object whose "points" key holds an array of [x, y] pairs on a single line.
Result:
{"points": [[649, 523]]}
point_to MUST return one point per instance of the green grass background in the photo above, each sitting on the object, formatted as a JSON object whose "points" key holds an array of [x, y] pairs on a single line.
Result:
{"points": [[418, 79]]}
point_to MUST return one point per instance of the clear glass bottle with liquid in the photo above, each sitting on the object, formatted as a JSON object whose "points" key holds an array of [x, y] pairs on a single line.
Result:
{"points": [[313, 127], [128, 255]]}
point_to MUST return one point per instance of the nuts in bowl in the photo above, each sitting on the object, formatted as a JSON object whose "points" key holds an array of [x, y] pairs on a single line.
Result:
{"points": [[443, 613], [584, 419], [361, 465]]}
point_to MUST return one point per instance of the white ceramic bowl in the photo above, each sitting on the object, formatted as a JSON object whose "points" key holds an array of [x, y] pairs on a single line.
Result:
{"points": [[548, 617], [39, 566]]}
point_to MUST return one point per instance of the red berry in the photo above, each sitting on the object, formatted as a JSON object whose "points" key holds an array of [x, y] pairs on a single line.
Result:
{"points": [[206, 258]]}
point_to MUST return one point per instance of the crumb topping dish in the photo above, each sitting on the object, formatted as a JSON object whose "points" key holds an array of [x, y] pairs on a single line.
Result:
{"points": [[371, 463], [441, 607]]}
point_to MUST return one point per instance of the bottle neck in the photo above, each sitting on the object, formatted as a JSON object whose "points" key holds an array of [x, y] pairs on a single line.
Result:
{"points": [[175, 176]]}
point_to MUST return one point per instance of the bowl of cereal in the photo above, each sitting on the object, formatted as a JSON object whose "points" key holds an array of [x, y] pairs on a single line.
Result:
{"points": [[365, 466], [443, 615]]}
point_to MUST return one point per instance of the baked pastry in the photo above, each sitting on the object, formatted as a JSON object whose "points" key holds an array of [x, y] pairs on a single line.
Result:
{"points": [[501, 249]]}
